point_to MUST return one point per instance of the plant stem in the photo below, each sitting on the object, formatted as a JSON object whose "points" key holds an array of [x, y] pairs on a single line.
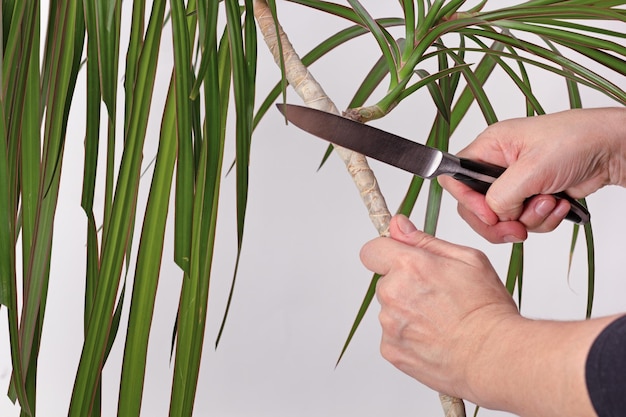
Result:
{"points": [[313, 95]]}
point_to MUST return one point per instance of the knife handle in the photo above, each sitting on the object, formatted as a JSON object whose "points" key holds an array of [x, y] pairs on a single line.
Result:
{"points": [[577, 214]]}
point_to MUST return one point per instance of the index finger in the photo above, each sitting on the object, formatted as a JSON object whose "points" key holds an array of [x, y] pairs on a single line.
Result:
{"points": [[378, 254]]}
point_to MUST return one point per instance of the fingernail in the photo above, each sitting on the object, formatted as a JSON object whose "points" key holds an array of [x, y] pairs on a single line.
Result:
{"points": [[405, 225], [561, 209], [512, 239], [485, 220], [545, 207]]}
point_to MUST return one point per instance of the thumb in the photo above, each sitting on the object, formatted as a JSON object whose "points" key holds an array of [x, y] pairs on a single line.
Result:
{"points": [[400, 226], [401, 229], [507, 195], [505, 207]]}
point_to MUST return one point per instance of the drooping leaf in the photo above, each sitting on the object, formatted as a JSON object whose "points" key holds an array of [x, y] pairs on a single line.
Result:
{"points": [[185, 166], [243, 56], [147, 269], [515, 274], [385, 41], [116, 241]]}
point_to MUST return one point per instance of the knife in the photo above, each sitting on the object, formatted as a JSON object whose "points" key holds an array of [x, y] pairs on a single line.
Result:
{"points": [[421, 160]]}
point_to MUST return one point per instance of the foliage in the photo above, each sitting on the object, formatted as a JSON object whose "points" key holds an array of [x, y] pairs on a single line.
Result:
{"points": [[215, 49]]}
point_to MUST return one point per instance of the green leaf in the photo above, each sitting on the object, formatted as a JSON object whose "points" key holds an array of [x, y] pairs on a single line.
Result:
{"points": [[371, 81], [116, 241], [441, 141], [147, 269], [410, 19], [591, 267], [92, 142], [410, 197], [448, 9], [432, 15], [435, 92], [64, 54], [185, 165], [224, 71], [433, 207], [318, 52], [428, 79], [383, 38], [367, 300], [516, 271], [585, 74], [476, 86], [8, 283], [330, 8], [482, 72], [195, 291], [243, 57], [521, 82]]}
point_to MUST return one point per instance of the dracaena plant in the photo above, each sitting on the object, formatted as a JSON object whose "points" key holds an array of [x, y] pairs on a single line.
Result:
{"points": [[215, 50]]}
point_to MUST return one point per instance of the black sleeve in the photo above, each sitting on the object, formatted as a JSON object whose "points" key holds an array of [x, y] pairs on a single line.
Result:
{"points": [[605, 370]]}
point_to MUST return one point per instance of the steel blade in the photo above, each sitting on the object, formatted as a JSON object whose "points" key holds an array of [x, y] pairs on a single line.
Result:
{"points": [[386, 147]]}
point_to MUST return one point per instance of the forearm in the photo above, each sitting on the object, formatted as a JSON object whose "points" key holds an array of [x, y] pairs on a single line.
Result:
{"points": [[535, 368]]}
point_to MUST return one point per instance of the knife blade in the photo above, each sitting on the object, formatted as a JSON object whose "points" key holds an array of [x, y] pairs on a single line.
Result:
{"points": [[421, 160]]}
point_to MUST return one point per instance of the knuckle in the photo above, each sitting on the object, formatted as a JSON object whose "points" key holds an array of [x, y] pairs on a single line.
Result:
{"points": [[406, 260], [496, 203], [366, 251], [387, 293], [389, 352], [476, 257], [393, 327], [386, 322]]}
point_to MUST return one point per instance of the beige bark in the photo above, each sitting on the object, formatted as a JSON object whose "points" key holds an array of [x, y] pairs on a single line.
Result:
{"points": [[314, 96]]}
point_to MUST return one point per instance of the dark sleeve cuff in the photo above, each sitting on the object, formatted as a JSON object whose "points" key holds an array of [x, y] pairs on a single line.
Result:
{"points": [[605, 370]]}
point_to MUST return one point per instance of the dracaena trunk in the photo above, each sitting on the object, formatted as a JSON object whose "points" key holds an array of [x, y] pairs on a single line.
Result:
{"points": [[313, 95]]}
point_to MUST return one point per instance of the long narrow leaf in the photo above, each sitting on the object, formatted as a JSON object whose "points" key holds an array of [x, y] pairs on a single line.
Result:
{"points": [[147, 270], [114, 247], [108, 18], [185, 166], [410, 19], [243, 86], [516, 271], [8, 282], [318, 52], [367, 300], [442, 139], [591, 267], [521, 82], [194, 297], [331, 8], [64, 67], [599, 82], [482, 72], [476, 86], [371, 81], [381, 38]]}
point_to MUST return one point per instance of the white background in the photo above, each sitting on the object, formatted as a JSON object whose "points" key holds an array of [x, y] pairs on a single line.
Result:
{"points": [[300, 281]]}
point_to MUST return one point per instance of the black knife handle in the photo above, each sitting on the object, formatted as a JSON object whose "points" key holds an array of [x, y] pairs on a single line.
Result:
{"points": [[577, 214]]}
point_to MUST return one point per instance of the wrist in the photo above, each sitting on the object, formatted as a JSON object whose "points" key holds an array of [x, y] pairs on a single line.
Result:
{"points": [[487, 379], [535, 367]]}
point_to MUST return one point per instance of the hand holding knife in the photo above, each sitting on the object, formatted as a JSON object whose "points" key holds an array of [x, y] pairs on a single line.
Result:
{"points": [[421, 160]]}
